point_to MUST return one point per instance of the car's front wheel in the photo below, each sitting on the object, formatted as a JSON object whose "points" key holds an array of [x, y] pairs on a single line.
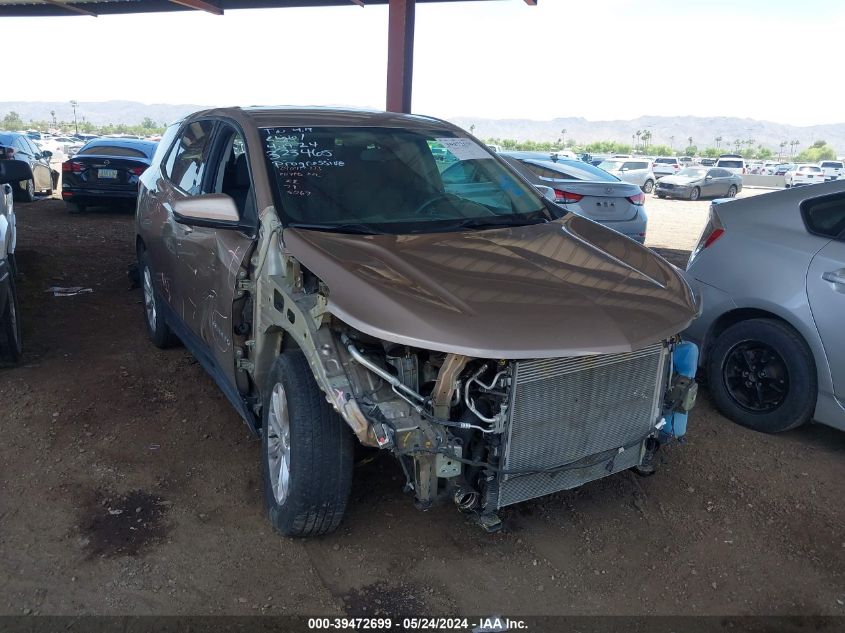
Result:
{"points": [[11, 347], [648, 187], [695, 194], [732, 191], [307, 452], [761, 375]]}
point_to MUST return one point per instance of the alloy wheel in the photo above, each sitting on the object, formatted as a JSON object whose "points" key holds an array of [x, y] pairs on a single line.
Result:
{"points": [[278, 444], [755, 376], [149, 300]]}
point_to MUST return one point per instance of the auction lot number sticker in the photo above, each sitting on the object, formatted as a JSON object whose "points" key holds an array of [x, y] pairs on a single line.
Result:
{"points": [[480, 625]]}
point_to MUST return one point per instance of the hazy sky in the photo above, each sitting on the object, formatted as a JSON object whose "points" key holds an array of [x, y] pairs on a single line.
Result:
{"points": [[598, 59]]}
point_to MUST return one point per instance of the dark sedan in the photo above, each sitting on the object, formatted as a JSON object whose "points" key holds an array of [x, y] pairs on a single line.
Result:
{"points": [[693, 183], [16, 146], [104, 171]]}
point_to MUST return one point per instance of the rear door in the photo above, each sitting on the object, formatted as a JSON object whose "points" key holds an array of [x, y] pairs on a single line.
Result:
{"points": [[40, 166], [826, 281]]}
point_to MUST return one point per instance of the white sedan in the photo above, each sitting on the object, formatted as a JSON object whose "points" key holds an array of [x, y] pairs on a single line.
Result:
{"points": [[804, 175]]}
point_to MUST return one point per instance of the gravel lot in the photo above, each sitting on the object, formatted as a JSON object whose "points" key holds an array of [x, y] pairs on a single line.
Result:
{"points": [[129, 486]]}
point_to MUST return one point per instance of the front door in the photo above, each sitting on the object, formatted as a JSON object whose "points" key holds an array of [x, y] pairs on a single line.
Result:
{"points": [[209, 259]]}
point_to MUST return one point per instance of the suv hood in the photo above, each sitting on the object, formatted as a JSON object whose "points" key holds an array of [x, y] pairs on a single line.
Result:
{"points": [[564, 288]]}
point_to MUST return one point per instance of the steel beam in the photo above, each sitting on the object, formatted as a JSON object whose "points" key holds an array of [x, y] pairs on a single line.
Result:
{"points": [[400, 55], [199, 5]]}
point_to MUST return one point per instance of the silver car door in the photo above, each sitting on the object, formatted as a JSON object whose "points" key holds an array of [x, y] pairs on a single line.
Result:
{"points": [[826, 290]]}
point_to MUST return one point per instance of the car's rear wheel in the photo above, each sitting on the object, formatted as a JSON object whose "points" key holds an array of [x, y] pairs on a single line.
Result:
{"points": [[661, 195], [761, 375], [307, 452], [695, 194], [26, 191], [648, 187], [11, 346], [732, 191], [157, 328]]}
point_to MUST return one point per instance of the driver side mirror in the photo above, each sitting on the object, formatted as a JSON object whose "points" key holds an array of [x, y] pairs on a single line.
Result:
{"points": [[216, 210], [621, 169], [708, 177], [14, 171], [547, 192], [46, 154]]}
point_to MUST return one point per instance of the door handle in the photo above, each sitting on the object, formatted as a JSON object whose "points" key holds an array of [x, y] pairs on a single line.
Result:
{"points": [[835, 276]]}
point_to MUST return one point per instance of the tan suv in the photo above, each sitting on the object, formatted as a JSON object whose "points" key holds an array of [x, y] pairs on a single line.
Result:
{"points": [[319, 268]]}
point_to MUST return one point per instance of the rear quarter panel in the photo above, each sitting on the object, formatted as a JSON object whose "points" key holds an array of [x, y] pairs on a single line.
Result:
{"points": [[761, 262]]}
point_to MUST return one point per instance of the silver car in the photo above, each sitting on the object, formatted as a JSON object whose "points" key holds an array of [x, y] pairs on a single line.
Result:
{"points": [[634, 170], [693, 183], [589, 191], [771, 272]]}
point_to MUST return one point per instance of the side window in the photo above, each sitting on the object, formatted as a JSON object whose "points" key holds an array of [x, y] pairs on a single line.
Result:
{"points": [[21, 146], [187, 160], [165, 144], [825, 216], [640, 166]]}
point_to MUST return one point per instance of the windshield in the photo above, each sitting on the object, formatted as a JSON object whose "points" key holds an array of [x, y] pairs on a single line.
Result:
{"points": [[668, 161], [730, 164], [692, 172], [393, 180], [611, 165]]}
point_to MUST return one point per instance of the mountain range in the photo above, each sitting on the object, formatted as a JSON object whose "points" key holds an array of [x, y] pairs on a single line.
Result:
{"points": [[674, 131]]}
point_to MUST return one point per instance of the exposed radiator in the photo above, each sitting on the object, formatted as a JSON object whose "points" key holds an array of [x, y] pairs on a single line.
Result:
{"points": [[579, 411]]}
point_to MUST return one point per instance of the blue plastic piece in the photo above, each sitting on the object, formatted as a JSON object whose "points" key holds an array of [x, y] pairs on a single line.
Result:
{"points": [[685, 363], [685, 358]]}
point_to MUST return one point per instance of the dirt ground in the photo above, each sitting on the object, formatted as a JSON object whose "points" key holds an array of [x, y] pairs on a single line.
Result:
{"points": [[129, 486]]}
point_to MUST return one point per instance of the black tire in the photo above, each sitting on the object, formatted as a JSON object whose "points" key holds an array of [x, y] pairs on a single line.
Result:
{"points": [[74, 207], [26, 192], [732, 191], [13, 265], [661, 195], [321, 453], [791, 373], [648, 187], [157, 328], [695, 194], [11, 346]]}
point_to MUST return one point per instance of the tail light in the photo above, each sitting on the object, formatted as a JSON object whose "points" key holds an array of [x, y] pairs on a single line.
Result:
{"points": [[638, 199], [566, 197], [653, 165], [713, 230], [73, 167], [137, 171], [8, 152]]}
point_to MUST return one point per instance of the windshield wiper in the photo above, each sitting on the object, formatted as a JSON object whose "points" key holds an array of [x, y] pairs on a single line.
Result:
{"points": [[492, 223], [357, 229]]}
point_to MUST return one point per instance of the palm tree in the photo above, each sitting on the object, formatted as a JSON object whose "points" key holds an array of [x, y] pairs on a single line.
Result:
{"points": [[472, 129], [718, 140], [73, 105], [672, 143], [780, 153], [563, 136], [639, 134], [646, 139]]}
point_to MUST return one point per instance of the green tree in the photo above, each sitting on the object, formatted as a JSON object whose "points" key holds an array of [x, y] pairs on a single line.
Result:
{"points": [[12, 121], [816, 153]]}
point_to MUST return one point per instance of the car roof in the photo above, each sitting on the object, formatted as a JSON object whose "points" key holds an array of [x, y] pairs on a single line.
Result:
{"points": [[303, 116]]}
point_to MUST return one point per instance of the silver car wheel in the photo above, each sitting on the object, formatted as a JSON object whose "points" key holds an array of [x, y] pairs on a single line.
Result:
{"points": [[278, 444], [149, 300]]}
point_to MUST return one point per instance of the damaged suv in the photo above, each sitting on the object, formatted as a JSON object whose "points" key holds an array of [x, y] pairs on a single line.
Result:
{"points": [[338, 290]]}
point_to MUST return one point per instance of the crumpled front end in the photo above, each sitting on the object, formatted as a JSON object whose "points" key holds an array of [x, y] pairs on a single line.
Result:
{"points": [[490, 433]]}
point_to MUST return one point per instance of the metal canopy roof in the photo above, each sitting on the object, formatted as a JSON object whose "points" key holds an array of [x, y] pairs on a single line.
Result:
{"points": [[44, 8]]}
